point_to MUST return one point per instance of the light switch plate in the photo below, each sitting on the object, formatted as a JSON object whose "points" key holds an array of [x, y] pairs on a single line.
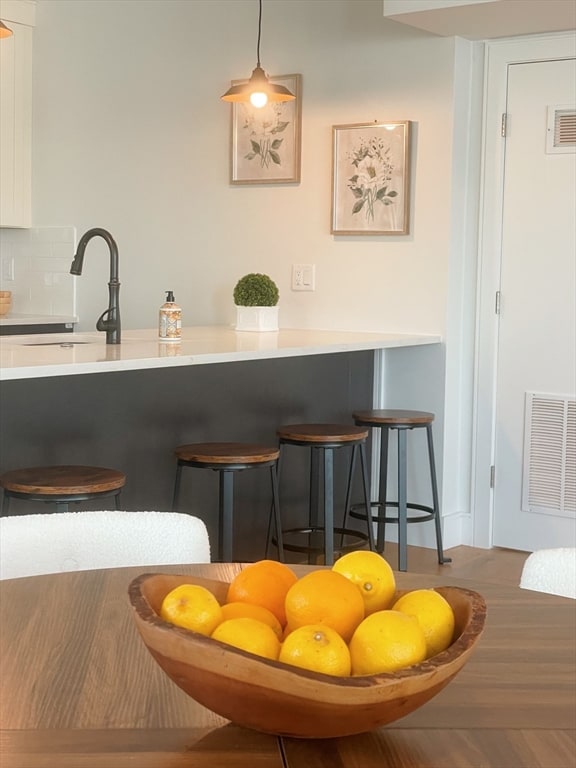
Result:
{"points": [[303, 277]]}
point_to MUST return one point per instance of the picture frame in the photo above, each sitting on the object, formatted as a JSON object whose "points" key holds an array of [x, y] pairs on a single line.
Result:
{"points": [[371, 178], [266, 142]]}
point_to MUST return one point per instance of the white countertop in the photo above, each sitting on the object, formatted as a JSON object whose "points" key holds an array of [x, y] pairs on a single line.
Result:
{"points": [[26, 357]]}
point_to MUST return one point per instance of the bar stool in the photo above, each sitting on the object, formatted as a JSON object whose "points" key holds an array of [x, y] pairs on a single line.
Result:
{"points": [[402, 421], [61, 485], [323, 439], [226, 459]]}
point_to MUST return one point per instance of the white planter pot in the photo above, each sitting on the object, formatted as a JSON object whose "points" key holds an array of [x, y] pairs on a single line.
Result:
{"points": [[256, 318]]}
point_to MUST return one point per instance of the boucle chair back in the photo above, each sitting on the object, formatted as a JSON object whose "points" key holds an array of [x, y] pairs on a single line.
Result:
{"points": [[552, 571], [31, 545]]}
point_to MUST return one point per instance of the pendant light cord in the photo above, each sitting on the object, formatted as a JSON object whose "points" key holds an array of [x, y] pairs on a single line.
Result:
{"points": [[259, 33]]}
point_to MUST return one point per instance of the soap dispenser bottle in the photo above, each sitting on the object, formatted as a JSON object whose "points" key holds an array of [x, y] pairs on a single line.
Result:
{"points": [[170, 320]]}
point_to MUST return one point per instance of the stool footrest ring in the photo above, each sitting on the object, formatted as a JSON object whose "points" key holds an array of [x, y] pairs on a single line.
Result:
{"points": [[430, 514], [358, 535]]}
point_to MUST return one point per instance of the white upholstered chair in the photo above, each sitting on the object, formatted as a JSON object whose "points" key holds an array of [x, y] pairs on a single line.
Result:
{"points": [[552, 571], [77, 541]]}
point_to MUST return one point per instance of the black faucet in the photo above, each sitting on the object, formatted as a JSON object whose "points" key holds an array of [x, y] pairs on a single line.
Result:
{"points": [[109, 320]]}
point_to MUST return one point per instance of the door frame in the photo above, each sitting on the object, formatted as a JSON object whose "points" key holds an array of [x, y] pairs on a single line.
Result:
{"points": [[499, 55]]}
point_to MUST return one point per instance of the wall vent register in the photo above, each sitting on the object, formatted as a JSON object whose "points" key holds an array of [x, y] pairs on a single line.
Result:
{"points": [[549, 473], [561, 129]]}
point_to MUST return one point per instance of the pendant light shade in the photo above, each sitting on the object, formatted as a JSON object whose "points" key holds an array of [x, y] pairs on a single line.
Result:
{"points": [[258, 90], [4, 31]]}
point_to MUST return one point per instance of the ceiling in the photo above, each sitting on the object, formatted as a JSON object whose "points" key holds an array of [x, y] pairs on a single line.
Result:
{"points": [[484, 19]]}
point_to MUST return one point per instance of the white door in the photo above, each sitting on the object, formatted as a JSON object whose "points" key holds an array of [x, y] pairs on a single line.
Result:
{"points": [[535, 445]]}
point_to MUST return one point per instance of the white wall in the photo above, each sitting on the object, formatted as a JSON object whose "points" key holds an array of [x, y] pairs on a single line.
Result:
{"points": [[129, 134]]}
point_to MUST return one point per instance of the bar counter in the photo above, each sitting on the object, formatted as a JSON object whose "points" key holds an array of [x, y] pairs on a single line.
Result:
{"points": [[57, 407], [27, 357]]}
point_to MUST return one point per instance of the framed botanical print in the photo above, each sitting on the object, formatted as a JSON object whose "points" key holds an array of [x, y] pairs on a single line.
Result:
{"points": [[266, 141], [370, 178]]}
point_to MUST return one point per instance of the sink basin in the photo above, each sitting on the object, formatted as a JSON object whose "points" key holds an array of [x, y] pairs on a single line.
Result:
{"points": [[64, 344], [64, 340]]}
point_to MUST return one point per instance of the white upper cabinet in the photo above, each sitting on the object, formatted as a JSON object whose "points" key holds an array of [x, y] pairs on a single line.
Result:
{"points": [[483, 19], [16, 113]]}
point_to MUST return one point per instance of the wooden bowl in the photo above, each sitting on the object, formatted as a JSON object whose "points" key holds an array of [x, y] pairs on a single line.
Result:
{"points": [[279, 699]]}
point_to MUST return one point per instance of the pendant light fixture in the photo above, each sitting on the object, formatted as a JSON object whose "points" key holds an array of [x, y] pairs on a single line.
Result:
{"points": [[4, 31], [258, 90]]}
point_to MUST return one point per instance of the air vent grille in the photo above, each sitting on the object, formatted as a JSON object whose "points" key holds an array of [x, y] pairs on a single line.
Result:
{"points": [[561, 129], [549, 477]]}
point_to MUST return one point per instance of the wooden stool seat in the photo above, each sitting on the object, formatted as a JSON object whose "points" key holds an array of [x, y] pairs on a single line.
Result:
{"points": [[227, 458], [391, 418], [61, 484], [326, 434], [322, 439], [402, 421], [226, 453]]}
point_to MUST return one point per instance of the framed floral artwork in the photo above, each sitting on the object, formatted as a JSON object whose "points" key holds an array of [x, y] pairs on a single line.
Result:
{"points": [[266, 141], [371, 178]]}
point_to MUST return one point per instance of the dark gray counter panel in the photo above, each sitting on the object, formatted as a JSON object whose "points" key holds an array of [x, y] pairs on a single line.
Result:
{"points": [[132, 421]]}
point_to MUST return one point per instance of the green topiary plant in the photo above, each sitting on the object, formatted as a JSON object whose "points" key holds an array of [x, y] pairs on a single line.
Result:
{"points": [[256, 290]]}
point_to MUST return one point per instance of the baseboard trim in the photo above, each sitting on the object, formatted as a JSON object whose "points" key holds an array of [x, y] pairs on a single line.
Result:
{"points": [[456, 530]]}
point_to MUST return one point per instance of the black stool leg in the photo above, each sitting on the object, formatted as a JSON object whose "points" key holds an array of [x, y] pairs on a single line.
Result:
{"points": [[349, 490], [62, 506], [176, 494], [314, 495], [328, 506], [275, 512], [436, 506], [277, 519], [314, 498], [402, 515], [225, 513], [5, 503], [381, 530], [366, 496], [117, 500]]}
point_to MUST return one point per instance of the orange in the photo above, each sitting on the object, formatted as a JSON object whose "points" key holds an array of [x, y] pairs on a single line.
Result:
{"points": [[372, 575], [193, 607], [247, 610], [316, 647], [435, 615], [385, 642], [325, 597], [250, 635], [264, 583]]}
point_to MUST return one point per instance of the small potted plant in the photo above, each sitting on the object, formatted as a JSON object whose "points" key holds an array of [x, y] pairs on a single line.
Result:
{"points": [[256, 299]]}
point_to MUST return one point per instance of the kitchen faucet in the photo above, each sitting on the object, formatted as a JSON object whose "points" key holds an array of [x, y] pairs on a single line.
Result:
{"points": [[109, 320]]}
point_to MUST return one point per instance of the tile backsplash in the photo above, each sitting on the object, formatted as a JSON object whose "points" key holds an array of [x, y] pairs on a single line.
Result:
{"points": [[35, 266]]}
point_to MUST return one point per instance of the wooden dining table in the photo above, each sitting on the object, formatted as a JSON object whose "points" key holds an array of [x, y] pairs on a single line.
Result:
{"points": [[78, 689]]}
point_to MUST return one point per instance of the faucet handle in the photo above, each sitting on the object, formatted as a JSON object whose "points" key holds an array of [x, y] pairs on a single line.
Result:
{"points": [[105, 323], [109, 321]]}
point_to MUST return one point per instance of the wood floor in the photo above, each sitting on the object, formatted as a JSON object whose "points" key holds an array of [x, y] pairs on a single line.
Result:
{"points": [[499, 565]]}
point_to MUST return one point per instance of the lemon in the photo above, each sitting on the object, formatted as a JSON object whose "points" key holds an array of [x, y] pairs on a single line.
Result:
{"points": [[434, 614], [372, 575], [386, 641], [249, 635], [192, 607], [318, 648]]}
